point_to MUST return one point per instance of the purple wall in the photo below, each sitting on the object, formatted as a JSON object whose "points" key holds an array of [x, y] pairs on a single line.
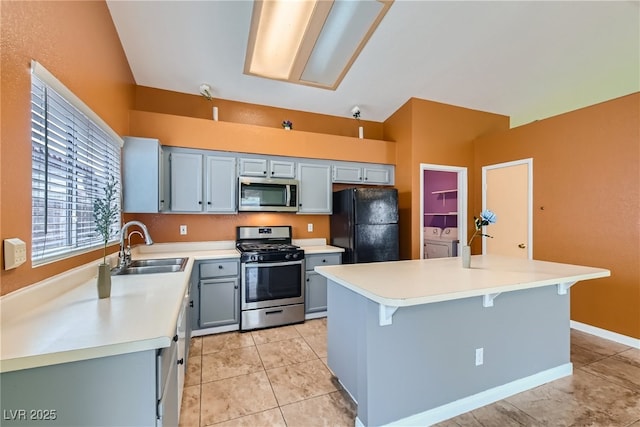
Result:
{"points": [[437, 181]]}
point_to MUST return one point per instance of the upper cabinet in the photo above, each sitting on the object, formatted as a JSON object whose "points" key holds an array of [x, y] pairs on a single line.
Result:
{"points": [[206, 181], [315, 194], [142, 176], [358, 173], [221, 185], [185, 176], [266, 167], [202, 183]]}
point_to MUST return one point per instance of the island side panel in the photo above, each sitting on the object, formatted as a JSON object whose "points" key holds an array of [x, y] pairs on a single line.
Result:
{"points": [[346, 316], [109, 391], [426, 357]]}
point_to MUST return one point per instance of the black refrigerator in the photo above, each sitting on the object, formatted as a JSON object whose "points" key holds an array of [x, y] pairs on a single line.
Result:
{"points": [[365, 223]]}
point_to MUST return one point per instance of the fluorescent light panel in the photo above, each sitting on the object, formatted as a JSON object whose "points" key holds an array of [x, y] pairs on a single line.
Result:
{"points": [[310, 42]]}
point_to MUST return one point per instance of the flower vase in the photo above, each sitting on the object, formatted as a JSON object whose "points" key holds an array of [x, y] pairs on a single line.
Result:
{"points": [[287, 128], [104, 281], [466, 256]]}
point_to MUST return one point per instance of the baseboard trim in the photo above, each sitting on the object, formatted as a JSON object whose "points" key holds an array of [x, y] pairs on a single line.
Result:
{"points": [[603, 333], [214, 330], [483, 398]]}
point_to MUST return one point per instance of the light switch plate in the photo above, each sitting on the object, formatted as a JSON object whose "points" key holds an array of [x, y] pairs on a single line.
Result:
{"points": [[15, 253]]}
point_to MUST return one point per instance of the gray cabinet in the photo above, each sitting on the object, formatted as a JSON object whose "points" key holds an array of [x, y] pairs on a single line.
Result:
{"points": [[315, 195], [316, 285], [142, 175], [167, 388], [185, 176], [357, 173], [221, 185], [202, 183], [142, 388], [266, 167], [219, 289]]}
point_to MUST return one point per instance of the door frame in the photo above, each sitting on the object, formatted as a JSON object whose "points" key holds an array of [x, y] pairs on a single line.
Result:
{"points": [[462, 200], [529, 163]]}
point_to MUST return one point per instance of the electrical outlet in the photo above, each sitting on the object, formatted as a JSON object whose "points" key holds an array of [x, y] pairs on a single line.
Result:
{"points": [[479, 356], [183, 230], [15, 253], [309, 228]]}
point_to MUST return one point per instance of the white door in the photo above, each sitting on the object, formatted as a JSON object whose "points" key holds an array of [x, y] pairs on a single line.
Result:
{"points": [[508, 193]]}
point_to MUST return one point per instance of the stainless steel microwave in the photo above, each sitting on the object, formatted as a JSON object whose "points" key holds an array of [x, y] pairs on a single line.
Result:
{"points": [[267, 195]]}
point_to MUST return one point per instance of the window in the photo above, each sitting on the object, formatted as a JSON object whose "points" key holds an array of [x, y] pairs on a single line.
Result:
{"points": [[74, 153]]}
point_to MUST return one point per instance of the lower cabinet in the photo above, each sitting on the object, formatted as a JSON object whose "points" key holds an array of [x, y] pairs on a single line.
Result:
{"points": [[315, 299], [218, 301], [131, 389]]}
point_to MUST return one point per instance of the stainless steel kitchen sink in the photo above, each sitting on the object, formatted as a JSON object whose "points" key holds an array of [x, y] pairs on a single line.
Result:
{"points": [[158, 262], [152, 266]]}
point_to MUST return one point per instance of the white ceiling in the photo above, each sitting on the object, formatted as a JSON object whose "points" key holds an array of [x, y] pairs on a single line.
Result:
{"points": [[526, 60]]}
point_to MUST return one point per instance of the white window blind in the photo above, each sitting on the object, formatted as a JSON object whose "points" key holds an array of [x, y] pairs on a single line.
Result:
{"points": [[73, 157]]}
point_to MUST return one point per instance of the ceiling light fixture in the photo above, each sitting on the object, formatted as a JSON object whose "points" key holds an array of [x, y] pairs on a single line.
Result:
{"points": [[311, 42]]}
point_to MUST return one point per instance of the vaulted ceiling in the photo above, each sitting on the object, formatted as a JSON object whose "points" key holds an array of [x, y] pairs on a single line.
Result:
{"points": [[527, 60]]}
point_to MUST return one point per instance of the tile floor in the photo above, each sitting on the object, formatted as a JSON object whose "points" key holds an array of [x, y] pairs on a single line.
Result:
{"points": [[279, 377]]}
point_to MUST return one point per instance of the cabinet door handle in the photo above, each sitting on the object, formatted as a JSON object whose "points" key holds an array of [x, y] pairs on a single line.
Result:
{"points": [[307, 279], [209, 203], [181, 361], [235, 287], [324, 260], [191, 303], [200, 202], [220, 267], [175, 338]]}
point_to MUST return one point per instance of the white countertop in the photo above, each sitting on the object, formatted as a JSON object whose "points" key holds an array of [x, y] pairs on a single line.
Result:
{"points": [[61, 319], [406, 283]]}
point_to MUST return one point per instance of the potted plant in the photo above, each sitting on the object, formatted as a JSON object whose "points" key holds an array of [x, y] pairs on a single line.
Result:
{"points": [[486, 217], [105, 213], [287, 125]]}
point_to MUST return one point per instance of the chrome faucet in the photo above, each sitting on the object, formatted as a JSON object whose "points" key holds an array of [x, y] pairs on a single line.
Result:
{"points": [[124, 255]]}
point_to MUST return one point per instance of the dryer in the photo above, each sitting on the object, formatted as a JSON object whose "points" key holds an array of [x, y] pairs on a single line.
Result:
{"points": [[440, 243]]}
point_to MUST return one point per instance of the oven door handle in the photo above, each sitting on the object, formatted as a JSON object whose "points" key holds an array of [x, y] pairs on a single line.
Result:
{"points": [[271, 264]]}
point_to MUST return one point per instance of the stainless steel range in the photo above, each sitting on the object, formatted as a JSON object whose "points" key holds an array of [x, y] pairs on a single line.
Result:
{"points": [[272, 277]]}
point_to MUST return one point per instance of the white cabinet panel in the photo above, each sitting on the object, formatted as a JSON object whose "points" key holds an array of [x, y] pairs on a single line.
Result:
{"points": [[221, 184], [347, 174], [315, 188], [356, 173], [373, 175], [282, 169], [266, 167], [186, 182], [142, 173]]}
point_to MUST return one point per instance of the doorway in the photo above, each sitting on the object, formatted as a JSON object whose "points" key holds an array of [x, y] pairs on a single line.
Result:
{"points": [[507, 190], [443, 209]]}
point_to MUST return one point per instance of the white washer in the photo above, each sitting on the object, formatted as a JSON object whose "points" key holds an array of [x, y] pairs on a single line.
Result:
{"points": [[440, 243]]}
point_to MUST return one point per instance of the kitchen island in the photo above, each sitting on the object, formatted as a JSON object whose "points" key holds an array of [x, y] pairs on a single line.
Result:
{"points": [[417, 342]]}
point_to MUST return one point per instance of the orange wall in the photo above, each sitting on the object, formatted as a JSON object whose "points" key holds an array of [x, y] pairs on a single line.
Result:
{"points": [[87, 57], [180, 104], [204, 133], [435, 133], [586, 176], [191, 132]]}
